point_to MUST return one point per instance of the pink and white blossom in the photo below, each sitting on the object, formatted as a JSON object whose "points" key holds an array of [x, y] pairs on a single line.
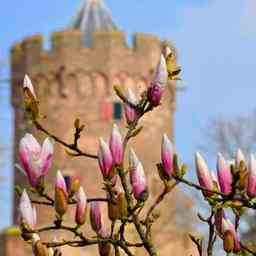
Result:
{"points": [[36, 159]]}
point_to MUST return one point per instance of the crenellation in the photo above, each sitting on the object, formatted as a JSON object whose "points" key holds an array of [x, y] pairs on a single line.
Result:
{"points": [[66, 40], [32, 48], [109, 40]]}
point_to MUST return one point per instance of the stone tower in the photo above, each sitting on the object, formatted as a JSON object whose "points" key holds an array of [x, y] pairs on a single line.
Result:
{"points": [[75, 79]]}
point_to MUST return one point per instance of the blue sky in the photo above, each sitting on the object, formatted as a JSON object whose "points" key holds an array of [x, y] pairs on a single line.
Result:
{"points": [[216, 41]]}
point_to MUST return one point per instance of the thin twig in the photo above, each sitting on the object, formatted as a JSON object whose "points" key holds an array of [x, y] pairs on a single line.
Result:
{"points": [[69, 146]]}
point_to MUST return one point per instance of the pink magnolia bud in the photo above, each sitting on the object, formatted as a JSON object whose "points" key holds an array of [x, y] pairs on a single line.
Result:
{"points": [[27, 212], [105, 159], [36, 160], [167, 51], [131, 114], [96, 217], [224, 175], [167, 155], [239, 157], [203, 174], [139, 183], [228, 226], [81, 207], [116, 145], [61, 184], [251, 187], [27, 84], [161, 74], [154, 94]]}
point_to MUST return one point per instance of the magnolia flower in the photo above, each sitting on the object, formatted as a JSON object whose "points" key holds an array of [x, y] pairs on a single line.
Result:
{"points": [[167, 155], [105, 159], [203, 174], [131, 114], [27, 85], [61, 194], [96, 216], [81, 207], [251, 187], [36, 159], [239, 157], [116, 145], [27, 212], [224, 175], [139, 182], [230, 232]]}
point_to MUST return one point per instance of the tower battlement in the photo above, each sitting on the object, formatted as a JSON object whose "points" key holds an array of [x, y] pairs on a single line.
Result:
{"points": [[32, 46], [91, 70]]}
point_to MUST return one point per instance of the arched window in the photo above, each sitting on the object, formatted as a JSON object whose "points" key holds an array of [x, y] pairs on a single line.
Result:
{"points": [[100, 85], [85, 84]]}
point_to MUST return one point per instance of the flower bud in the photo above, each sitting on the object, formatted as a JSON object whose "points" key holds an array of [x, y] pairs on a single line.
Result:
{"points": [[203, 174], [113, 211], [228, 241], [228, 226], [139, 183], [81, 207], [96, 216], [105, 159], [131, 114], [161, 74], [37, 247], [36, 159], [116, 145], [167, 155], [27, 85], [27, 212], [122, 206], [61, 195], [167, 52], [154, 94], [224, 175], [251, 187], [72, 184], [239, 158]]}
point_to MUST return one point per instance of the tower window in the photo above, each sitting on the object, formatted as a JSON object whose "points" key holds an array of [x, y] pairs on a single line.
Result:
{"points": [[117, 110]]}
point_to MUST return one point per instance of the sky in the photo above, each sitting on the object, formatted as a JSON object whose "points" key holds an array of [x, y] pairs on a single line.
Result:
{"points": [[216, 43]]}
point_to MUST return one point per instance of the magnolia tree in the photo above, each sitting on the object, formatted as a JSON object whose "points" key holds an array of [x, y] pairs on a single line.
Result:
{"points": [[234, 187]]}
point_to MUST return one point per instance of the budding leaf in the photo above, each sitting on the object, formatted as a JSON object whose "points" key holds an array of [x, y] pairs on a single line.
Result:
{"points": [[77, 123]]}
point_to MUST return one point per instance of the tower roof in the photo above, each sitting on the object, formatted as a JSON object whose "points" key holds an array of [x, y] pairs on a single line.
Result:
{"points": [[92, 16]]}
